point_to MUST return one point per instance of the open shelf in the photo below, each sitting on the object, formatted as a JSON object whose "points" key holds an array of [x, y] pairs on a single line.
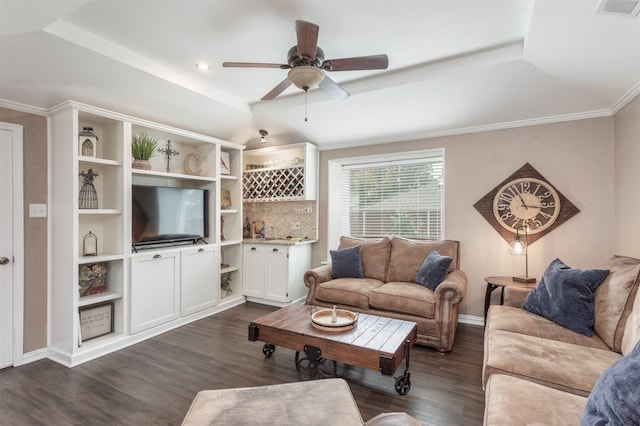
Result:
{"points": [[172, 175], [99, 298]]}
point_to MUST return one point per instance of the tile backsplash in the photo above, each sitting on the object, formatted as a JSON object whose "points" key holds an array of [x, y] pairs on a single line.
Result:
{"points": [[284, 218]]}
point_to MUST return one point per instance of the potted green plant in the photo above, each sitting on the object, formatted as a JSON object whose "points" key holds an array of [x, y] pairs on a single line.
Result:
{"points": [[225, 285], [143, 147]]}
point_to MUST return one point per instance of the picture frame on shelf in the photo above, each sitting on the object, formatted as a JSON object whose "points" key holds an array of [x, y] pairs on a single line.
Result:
{"points": [[225, 166], [225, 198], [96, 320], [92, 278]]}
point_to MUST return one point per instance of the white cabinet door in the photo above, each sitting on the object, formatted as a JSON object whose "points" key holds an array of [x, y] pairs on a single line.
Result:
{"points": [[200, 279], [276, 273], [155, 286], [253, 270], [299, 263]]}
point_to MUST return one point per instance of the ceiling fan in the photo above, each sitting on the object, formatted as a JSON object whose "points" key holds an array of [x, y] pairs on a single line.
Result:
{"points": [[307, 66]]}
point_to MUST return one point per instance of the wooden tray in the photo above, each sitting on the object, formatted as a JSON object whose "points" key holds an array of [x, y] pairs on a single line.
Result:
{"points": [[345, 320], [333, 329]]}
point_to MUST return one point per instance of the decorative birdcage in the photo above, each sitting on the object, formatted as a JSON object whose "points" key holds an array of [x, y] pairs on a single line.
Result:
{"points": [[88, 196]]}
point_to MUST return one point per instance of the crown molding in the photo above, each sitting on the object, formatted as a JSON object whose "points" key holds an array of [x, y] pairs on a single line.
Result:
{"points": [[624, 100], [23, 108], [480, 129]]}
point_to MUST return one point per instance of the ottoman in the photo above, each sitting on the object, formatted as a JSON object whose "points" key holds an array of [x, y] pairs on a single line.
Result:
{"points": [[319, 402], [511, 401]]}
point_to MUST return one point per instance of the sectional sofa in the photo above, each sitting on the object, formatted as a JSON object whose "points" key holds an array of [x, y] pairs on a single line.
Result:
{"points": [[539, 372]]}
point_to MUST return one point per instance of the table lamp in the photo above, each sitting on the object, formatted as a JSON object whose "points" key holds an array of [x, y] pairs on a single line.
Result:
{"points": [[520, 247]]}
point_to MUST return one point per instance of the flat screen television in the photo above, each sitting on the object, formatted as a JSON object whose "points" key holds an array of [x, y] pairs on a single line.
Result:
{"points": [[168, 216]]}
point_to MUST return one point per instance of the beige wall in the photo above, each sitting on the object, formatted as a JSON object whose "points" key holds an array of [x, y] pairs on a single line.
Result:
{"points": [[576, 156], [35, 229], [627, 179]]}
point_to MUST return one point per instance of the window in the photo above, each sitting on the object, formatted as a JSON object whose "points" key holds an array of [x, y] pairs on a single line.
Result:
{"points": [[399, 195]]}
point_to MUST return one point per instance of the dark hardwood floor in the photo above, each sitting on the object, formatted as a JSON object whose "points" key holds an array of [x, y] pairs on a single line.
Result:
{"points": [[154, 382]]}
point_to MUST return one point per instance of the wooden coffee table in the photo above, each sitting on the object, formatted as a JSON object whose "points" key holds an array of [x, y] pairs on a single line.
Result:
{"points": [[375, 343]]}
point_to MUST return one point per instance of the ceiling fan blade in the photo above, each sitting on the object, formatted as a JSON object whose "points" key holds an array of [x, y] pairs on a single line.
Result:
{"points": [[307, 39], [254, 65], [374, 62], [333, 89], [277, 90]]}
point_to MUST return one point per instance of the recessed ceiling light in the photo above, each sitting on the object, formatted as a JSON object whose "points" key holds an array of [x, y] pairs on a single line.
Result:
{"points": [[203, 66]]}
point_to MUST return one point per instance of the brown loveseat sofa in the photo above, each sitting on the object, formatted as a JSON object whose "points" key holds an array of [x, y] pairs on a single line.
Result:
{"points": [[538, 372], [388, 287]]}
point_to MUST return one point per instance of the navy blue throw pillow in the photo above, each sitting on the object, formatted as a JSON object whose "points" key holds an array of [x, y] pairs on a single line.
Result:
{"points": [[615, 399], [433, 270], [565, 296], [346, 263]]}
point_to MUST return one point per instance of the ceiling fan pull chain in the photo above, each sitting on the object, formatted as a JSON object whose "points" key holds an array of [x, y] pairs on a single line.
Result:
{"points": [[306, 93]]}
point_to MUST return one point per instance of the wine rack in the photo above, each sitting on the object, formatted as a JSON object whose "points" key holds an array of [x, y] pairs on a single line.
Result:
{"points": [[283, 173], [286, 184]]}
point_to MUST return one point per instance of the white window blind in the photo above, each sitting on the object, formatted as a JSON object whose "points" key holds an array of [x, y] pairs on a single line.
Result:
{"points": [[402, 198]]}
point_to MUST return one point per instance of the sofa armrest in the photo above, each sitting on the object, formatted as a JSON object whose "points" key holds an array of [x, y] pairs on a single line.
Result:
{"points": [[514, 296], [453, 288], [314, 277], [448, 294]]}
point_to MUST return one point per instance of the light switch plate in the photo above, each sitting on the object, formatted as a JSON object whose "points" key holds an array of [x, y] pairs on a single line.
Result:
{"points": [[37, 210]]}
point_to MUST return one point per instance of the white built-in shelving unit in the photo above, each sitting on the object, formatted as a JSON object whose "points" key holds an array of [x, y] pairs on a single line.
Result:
{"points": [[153, 290]]}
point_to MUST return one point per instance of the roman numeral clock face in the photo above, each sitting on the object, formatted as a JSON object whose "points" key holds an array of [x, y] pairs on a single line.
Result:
{"points": [[527, 202]]}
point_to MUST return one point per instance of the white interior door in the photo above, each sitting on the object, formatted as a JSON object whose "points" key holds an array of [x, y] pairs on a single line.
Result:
{"points": [[10, 243]]}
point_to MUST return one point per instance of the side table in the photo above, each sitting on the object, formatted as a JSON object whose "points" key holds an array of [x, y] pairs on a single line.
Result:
{"points": [[501, 282]]}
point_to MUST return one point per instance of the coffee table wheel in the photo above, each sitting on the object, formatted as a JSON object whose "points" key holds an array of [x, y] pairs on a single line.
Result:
{"points": [[403, 383], [268, 349], [321, 368]]}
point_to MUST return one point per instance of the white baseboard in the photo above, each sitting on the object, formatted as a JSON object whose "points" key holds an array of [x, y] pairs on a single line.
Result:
{"points": [[274, 303], [33, 356], [469, 319]]}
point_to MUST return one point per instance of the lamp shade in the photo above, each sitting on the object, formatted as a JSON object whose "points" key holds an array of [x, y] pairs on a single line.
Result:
{"points": [[518, 246], [305, 77]]}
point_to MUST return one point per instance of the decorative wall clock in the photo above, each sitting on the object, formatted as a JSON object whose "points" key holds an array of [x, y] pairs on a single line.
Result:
{"points": [[525, 198]]}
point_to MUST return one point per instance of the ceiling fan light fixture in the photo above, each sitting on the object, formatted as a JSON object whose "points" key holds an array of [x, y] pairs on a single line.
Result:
{"points": [[263, 136], [305, 77]]}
